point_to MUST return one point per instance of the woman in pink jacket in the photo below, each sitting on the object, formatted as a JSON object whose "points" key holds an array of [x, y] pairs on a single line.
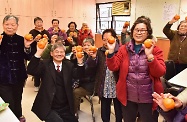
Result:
{"points": [[140, 69]]}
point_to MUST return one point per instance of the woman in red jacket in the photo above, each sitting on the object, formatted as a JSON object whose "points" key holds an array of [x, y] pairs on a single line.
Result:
{"points": [[140, 69]]}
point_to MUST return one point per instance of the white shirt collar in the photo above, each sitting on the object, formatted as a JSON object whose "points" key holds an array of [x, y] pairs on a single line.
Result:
{"points": [[58, 65]]}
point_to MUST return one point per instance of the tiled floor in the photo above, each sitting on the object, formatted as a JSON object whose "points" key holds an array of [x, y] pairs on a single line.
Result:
{"points": [[84, 113]]}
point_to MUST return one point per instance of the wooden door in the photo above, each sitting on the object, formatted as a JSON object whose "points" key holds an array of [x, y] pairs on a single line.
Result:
{"points": [[37, 8], [4, 7], [25, 25], [62, 8], [15, 7]]}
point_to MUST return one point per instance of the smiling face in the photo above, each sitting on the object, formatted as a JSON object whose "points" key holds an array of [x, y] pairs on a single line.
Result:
{"points": [[38, 25], [72, 27], [183, 28], [10, 26], [58, 54], [55, 24], [86, 46], [140, 33]]}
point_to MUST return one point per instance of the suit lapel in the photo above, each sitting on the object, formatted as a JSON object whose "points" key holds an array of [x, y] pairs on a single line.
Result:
{"points": [[52, 70], [65, 72]]}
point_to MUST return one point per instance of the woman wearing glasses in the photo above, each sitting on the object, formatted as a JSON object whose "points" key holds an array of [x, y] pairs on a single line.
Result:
{"points": [[140, 69]]}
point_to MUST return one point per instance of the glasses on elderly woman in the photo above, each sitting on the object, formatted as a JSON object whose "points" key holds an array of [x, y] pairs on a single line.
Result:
{"points": [[141, 31]]}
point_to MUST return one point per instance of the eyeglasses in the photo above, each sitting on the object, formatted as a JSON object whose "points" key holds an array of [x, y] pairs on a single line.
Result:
{"points": [[141, 31]]}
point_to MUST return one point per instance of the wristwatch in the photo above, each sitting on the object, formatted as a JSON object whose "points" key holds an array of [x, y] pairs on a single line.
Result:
{"points": [[151, 59]]}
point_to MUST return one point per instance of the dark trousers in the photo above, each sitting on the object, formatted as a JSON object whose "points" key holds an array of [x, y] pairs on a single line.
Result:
{"points": [[12, 94], [131, 109], [180, 67], [55, 116], [36, 81], [106, 109]]}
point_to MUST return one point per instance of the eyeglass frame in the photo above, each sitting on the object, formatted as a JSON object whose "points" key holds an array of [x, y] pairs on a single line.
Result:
{"points": [[141, 31]]}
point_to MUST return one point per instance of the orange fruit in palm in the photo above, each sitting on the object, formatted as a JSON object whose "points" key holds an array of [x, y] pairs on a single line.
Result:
{"points": [[56, 28], [28, 37], [79, 48], [111, 39], [42, 42], [126, 24], [70, 39], [176, 17], [93, 48], [87, 29], [79, 54], [148, 43], [63, 31], [74, 33], [39, 36], [45, 36], [71, 34], [168, 103]]}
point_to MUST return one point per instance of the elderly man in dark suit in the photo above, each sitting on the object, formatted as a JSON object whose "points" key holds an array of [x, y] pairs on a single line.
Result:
{"points": [[54, 101]]}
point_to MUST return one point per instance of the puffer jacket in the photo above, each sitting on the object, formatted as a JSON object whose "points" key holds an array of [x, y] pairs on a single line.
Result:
{"points": [[139, 83], [120, 61]]}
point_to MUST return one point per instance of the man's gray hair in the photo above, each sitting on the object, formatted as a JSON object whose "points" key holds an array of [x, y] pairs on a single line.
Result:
{"points": [[57, 45], [91, 40], [7, 17]]}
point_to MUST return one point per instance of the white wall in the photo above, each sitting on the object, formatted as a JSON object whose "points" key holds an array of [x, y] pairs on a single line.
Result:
{"points": [[133, 12], [159, 11], [183, 9]]}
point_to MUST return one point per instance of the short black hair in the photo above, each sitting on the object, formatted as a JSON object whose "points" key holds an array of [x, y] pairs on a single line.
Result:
{"points": [[55, 20], [113, 33], [37, 18], [144, 18], [72, 23]]}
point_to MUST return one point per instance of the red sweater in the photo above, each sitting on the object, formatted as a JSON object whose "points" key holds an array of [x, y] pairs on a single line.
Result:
{"points": [[84, 34], [120, 61]]}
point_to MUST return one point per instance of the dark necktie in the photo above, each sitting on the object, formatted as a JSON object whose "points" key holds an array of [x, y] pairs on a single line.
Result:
{"points": [[58, 70]]}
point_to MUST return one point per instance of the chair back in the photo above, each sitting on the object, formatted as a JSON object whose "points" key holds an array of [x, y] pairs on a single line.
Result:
{"points": [[170, 70]]}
